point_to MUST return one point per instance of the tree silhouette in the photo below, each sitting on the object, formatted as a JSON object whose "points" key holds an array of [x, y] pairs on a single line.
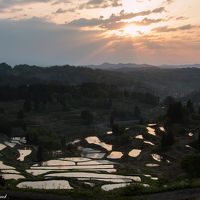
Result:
{"points": [[190, 106], [175, 113], [2, 181], [27, 105], [40, 154], [87, 117], [137, 112]]}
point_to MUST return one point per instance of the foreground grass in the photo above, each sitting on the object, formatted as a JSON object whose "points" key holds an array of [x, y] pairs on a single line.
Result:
{"points": [[129, 192]]}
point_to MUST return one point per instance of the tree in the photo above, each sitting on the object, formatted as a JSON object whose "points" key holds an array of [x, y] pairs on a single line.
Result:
{"points": [[110, 103], [190, 106], [20, 114], [40, 154], [87, 117], [2, 111], [36, 104], [167, 139], [5, 127], [137, 112], [175, 113], [2, 181], [63, 142], [32, 137], [126, 93], [117, 130], [62, 101], [27, 105], [169, 100], [111, 120], [190, 164]]}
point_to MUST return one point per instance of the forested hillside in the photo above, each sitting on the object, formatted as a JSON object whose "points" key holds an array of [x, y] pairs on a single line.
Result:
{"points": [[163, 82]]}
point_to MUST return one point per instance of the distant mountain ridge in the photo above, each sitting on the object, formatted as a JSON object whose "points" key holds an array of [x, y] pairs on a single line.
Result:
{"points": [[109, 66], [133, 66], [180, 66], [157, 80], [64, 75]]}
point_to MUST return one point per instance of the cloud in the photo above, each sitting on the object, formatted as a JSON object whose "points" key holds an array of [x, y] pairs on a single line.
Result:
{"points": [[181, 18], [83, 22], [114, 21], [61, 1], [36, 41], [93, 4], [11, 10], [186, 27], [10, 3], [60, 10], [159, 10], [167, 29], [169, 1], [147, 21]]}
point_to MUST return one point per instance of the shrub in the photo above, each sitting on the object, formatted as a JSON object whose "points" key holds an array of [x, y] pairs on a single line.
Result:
{"points": [[2, 181], [190, 164]]}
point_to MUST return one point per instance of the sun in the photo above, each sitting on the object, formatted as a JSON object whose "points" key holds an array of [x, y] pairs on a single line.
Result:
{"points": [[130, 31]]}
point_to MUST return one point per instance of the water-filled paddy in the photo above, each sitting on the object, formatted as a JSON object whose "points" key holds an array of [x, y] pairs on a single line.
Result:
{"points": [[10, 144], [151, 131], [134, 153], [115, 155], [152, 165], [95, 176], [114, 186], [50, 185], [139, 137], [12, 176], [157, 157], [95, 140], [2, 146], [56, 163], [23, 153], [148, 142], [3, 166]]}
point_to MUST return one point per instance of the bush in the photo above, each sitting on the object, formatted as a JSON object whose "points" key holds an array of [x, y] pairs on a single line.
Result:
{"points": [[117, 130], [167, 139], [87, 117], [2, 181], [122, 140], [190, 164], [134, 189]]}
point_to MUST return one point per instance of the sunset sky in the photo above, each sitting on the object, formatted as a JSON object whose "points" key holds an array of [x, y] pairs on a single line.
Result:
{"points": [[81, 32]]}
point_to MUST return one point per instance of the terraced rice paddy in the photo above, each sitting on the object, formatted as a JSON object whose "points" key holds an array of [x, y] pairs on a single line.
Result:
{"points": [[151, 131], [95, 140], [134, 153], [94, 164], [50, 185], [2, 146], [23, 154], [115, 155]]}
